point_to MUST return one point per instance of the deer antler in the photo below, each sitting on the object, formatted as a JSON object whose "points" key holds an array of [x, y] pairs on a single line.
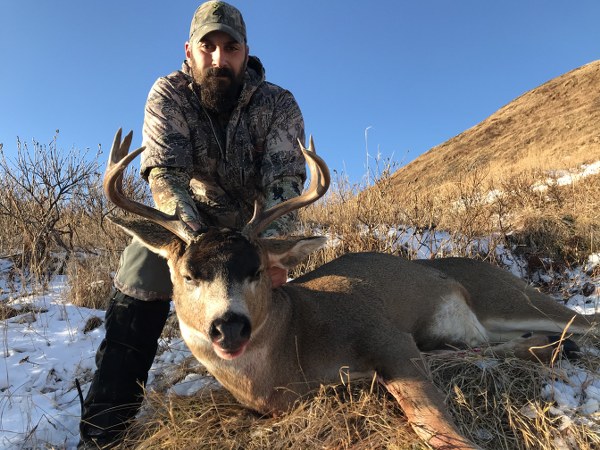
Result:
{"points": [[118, 161], [319, 183]]}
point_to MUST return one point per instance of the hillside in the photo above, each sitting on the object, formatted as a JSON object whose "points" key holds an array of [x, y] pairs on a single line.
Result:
{"points": [[554, 126]]}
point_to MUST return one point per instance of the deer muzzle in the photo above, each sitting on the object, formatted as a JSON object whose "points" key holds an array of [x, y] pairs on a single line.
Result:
{"points": [[230, 334]]}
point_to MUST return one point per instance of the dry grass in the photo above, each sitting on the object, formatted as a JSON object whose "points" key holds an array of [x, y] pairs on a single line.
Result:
{"points": [[90, 281], [358, 416], [496, 403], [551, 127], [27, 311], [558, 223]]}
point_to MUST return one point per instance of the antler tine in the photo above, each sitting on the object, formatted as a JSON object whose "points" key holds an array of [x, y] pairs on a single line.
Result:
{"points": [[118, 161], [119, 149], [319, 183]]}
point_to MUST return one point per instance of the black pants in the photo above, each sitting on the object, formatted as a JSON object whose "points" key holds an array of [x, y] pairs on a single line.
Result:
{"points": [[123, 360]]}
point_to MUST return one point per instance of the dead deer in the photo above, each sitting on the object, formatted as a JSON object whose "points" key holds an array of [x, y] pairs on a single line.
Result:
{"points": [[368, 313]]}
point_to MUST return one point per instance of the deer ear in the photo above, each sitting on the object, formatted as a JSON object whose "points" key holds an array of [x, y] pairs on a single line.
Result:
{"points": [[287, 253], [155, 237]]}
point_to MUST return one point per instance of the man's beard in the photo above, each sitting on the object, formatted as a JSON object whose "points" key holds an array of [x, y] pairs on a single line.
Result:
{"points": [[219, 89]]}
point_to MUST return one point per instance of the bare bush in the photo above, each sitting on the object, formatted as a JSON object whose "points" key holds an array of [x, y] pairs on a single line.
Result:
{"points": [[52, 207], [36, 189]]}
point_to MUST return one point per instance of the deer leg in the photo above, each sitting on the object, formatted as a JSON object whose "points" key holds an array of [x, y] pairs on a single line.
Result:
{"points": [[404, 377], [423, 406]]}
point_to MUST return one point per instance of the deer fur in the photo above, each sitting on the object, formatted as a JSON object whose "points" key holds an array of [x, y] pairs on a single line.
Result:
{"points": [[366, 313]]}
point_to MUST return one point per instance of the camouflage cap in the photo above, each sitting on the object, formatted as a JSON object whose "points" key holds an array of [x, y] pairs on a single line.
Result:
{"points": [[217, 15]]}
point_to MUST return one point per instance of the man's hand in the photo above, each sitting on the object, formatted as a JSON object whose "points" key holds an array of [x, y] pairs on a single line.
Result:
{"points": [[278, 276], [188, 213], [170, 190]]}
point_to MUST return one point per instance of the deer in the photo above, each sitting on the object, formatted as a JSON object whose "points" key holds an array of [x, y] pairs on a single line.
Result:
{"points": [[372, 314]]}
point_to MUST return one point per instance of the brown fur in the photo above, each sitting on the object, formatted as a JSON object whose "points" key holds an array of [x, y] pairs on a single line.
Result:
{"points": [[362, 313]]}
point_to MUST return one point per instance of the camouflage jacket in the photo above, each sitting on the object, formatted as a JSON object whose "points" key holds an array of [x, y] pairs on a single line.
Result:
{"points": [[218, 171]]}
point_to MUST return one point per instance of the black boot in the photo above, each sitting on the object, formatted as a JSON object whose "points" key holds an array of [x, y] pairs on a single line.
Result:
{"points": [[123, 360]]}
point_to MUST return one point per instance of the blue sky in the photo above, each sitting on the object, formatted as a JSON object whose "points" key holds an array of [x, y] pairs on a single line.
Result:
{"points": [[414, 73]]}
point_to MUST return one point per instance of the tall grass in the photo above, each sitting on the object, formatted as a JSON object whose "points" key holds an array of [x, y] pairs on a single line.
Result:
{"points": [[531, 215]]}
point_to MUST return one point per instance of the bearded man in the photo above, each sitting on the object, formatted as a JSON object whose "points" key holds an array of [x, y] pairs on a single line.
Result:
{"points": [[217, 137]]}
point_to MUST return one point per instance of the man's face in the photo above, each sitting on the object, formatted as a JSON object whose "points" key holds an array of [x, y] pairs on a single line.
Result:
{"points": [[218, 63]]}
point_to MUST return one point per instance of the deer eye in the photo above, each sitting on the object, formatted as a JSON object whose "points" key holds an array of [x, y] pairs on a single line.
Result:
{"points": [[187, 279], [256, 274]]}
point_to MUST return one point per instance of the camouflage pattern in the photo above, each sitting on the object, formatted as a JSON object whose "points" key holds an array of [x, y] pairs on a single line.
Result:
{"points": [[193, 160], [217, 15], [170, 189], [210, 173]]}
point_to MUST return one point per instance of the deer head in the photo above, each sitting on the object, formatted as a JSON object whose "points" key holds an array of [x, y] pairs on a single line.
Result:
{"points": [[221, 290]]}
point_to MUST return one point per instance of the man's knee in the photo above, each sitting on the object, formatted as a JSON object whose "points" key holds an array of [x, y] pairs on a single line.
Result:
{"points": [[143, 274]]}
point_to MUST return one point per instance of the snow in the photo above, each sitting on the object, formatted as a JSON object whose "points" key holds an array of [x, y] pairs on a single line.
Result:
{"points": [[44, 349], [43, 353], [566, 177]]}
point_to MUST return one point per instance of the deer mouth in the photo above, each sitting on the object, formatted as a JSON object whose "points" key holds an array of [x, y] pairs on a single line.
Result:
{"points": [[230, 334], [229, 353]]}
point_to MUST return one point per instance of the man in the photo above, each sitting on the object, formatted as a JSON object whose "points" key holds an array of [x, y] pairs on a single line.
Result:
{"points": [[217, 136]]}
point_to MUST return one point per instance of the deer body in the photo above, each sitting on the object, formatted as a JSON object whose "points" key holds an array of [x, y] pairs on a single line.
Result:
{"points": [[360, 314], [506, 305], [348, 316]]}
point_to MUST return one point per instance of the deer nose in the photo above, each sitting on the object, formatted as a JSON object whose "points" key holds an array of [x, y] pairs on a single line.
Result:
{"points": [[230, 331]]}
